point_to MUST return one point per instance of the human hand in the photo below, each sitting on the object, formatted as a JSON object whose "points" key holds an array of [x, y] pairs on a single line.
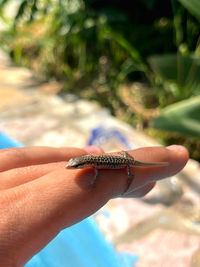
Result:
{"points": [[39, 197]]}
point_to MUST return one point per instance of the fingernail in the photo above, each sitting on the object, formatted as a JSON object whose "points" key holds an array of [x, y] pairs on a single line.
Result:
{"points": [[176, 148], [93, 149]]}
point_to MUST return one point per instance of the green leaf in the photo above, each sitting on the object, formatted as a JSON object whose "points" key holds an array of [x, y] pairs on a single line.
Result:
{"points": [[182, 71], [21, 11], [164, 66], [193, 6], [149, 3], [182, 117], [133, 52]]}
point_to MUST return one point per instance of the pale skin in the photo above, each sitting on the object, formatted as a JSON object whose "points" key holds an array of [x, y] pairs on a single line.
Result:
{"points": [[40, 197]]}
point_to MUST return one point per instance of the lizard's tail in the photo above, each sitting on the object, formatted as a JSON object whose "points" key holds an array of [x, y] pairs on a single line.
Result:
{"points": [[146, 164]]}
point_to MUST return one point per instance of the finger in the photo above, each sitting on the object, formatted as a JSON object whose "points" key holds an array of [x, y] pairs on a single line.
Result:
{"points": [[176, 156], [20, 157], [17, 176], [142, 191]]}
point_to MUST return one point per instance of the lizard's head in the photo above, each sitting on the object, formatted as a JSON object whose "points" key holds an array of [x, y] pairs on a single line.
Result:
{"points": [[76, 163], [72, 164]]}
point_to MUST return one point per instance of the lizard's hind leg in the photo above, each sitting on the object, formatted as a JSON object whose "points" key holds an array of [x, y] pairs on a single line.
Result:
{"points": [[96, 173], [130, 178]]}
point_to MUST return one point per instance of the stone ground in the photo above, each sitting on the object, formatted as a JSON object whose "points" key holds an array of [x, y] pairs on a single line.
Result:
{"points": [[163, 229]]}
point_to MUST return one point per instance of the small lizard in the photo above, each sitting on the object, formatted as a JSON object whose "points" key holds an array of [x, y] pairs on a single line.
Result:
{"points": [[110, 162]]}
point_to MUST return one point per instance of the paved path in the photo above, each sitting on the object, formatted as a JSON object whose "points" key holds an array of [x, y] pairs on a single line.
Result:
{"points": [[164, 228]]}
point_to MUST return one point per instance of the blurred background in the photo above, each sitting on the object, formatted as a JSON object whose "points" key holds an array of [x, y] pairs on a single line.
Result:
{"points": [[120, 74], [139, 59]]}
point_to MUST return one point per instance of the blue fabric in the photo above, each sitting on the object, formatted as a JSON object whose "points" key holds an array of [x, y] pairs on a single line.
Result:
{"points": [[81, 245], [101, 135], [6, 142]]}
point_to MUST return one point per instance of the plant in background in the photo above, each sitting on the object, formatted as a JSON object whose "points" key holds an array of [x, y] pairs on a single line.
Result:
{"points": [[179, 75], [95, 46]]}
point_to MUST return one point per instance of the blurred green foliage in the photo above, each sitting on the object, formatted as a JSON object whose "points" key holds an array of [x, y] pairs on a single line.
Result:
{"points": [[94, 46], [183, 117]]}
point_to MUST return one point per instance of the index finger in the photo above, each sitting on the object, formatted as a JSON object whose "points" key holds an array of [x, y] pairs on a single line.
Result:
{"points": [[24, 156]]}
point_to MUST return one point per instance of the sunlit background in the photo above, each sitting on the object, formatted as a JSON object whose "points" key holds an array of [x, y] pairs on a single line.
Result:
{"points": [[138, 60]]}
